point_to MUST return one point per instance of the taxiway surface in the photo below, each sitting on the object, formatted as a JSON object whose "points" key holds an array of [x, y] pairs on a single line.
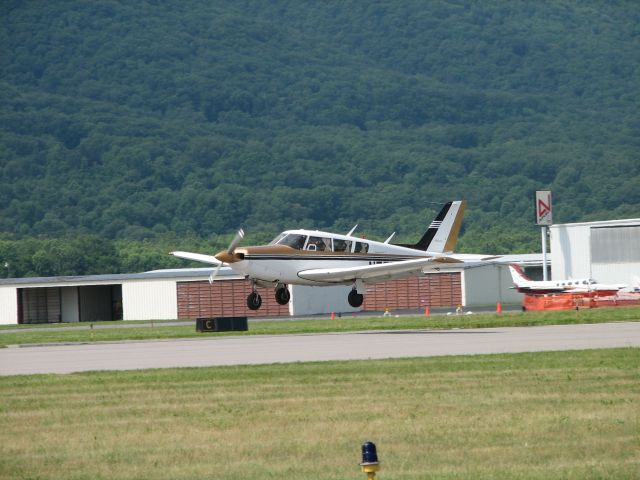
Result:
{"points": [[262, 349]]}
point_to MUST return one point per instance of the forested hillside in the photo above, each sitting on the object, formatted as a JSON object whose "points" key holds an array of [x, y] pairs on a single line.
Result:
{"points": [[144, 126]]}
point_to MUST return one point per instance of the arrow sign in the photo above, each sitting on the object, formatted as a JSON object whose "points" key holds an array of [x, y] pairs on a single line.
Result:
{"points": [[543, 208]]}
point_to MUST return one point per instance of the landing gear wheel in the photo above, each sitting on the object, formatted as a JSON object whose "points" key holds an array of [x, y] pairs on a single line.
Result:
{"points": [[254, 300], [355, 298], [282, 295]]}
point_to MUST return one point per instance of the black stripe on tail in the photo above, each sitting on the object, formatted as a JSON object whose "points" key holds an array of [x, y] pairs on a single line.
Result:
{"points": [[426, 239]]}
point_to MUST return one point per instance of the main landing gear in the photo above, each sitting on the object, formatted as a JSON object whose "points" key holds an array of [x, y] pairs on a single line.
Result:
{"points": [[355, 298], [282, 295]]}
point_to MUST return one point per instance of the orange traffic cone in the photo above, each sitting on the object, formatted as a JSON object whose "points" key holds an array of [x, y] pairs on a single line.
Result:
{"points": [[498, 308], [426, 311], [333, 315]]}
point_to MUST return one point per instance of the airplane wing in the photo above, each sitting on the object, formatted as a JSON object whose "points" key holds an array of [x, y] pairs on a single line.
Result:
{"points": [[198, 257], [380, 272]]}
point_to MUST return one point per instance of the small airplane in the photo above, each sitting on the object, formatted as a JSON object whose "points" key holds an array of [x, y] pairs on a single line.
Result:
{"points": [[311, 257], [586, 287]]}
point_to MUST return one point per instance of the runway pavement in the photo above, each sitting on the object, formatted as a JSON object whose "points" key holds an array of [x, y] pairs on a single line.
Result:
{"points": [[259, 349]]}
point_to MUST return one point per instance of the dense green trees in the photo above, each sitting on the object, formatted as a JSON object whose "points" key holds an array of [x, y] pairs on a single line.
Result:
{"points": [[148, 122]]}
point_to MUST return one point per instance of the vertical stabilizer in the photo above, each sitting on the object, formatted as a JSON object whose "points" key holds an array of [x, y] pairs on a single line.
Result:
{"points": [[518, 276], [442, 234]]}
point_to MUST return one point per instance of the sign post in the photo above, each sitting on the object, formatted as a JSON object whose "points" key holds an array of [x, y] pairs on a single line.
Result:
{"points": [[544, 218]]}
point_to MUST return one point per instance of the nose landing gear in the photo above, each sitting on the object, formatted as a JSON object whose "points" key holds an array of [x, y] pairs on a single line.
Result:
{"points": [[254, 300]]}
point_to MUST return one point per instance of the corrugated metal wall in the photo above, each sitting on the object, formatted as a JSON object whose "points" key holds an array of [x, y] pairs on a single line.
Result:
{"points": [[8, 305], [433, 290], [224, 298], [570, 253], [149, 300], [489, 284]]}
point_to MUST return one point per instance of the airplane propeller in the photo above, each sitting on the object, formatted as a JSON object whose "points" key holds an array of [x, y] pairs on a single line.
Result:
{"points": [[236, 240], [232, 246]]}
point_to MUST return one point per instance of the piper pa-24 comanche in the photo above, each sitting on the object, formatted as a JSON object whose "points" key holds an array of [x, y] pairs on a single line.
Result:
{"points": [[311, 257]]}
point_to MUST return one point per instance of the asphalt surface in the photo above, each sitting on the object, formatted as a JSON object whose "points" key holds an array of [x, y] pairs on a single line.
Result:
{"points": [[259, 349]]}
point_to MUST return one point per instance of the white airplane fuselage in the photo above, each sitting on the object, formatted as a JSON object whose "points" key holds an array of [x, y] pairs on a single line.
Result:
{"points": [[273, 264]]}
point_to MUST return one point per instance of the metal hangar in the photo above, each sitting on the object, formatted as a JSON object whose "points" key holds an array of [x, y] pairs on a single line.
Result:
{"points": [[186, 293], [608, 251]]}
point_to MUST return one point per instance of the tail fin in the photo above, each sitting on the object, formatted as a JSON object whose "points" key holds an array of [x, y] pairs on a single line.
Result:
{"points": [[518, 276], [442, 234]]}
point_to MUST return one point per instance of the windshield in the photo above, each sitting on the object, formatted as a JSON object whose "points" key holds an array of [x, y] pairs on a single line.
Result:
{"points": [[293, 240], [277, 239]]}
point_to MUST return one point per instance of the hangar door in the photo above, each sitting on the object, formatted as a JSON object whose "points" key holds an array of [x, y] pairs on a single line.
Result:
{"points": [[615, 255], [224, 298], [432, 290], [90, 303], [39, 305]]}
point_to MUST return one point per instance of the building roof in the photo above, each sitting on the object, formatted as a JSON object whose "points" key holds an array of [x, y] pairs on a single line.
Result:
{"points": [[603, 223], [193, 273]]}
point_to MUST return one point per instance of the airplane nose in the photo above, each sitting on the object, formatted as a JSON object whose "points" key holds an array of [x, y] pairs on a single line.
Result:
{"points": [[225, 257]]}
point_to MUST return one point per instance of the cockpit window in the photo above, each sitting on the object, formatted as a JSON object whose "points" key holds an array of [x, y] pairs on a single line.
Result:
{"points": [[361, 247], [319, 244], [341, 245], [293, 240]]}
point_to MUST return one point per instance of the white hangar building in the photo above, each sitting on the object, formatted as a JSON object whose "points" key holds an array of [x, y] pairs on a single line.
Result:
{"points": [[186, 293], [607, 251]]}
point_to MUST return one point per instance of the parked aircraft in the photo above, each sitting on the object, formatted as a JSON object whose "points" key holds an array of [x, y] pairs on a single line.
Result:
{"points": [[584, 287], [311, 257]]}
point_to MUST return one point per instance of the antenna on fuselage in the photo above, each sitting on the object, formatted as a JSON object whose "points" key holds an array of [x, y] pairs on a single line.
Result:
{"points": [[390, 237], [352, 230]]}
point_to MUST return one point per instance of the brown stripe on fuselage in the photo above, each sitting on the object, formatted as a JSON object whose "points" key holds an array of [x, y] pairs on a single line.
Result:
{"points": [[285, 250]]}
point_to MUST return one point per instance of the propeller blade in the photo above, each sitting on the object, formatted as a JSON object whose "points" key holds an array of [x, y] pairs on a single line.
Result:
{"points": [[236, 240], [214, 274], [226, 257]]}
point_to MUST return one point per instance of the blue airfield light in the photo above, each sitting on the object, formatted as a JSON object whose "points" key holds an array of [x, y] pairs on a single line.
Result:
{"points": [[369, 454], [370, 464]]}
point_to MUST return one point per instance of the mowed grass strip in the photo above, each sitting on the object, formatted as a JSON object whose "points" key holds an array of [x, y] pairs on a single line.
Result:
{"points": [[571, 415], [339, 324]]}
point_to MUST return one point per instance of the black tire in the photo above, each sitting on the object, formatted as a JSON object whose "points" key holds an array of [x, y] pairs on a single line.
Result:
{"points": [[283, 295], [355, 298], [254, 300]]}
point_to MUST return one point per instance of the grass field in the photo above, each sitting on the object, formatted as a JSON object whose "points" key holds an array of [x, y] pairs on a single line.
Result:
{"points": [[570, 415], [12, 335]]}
